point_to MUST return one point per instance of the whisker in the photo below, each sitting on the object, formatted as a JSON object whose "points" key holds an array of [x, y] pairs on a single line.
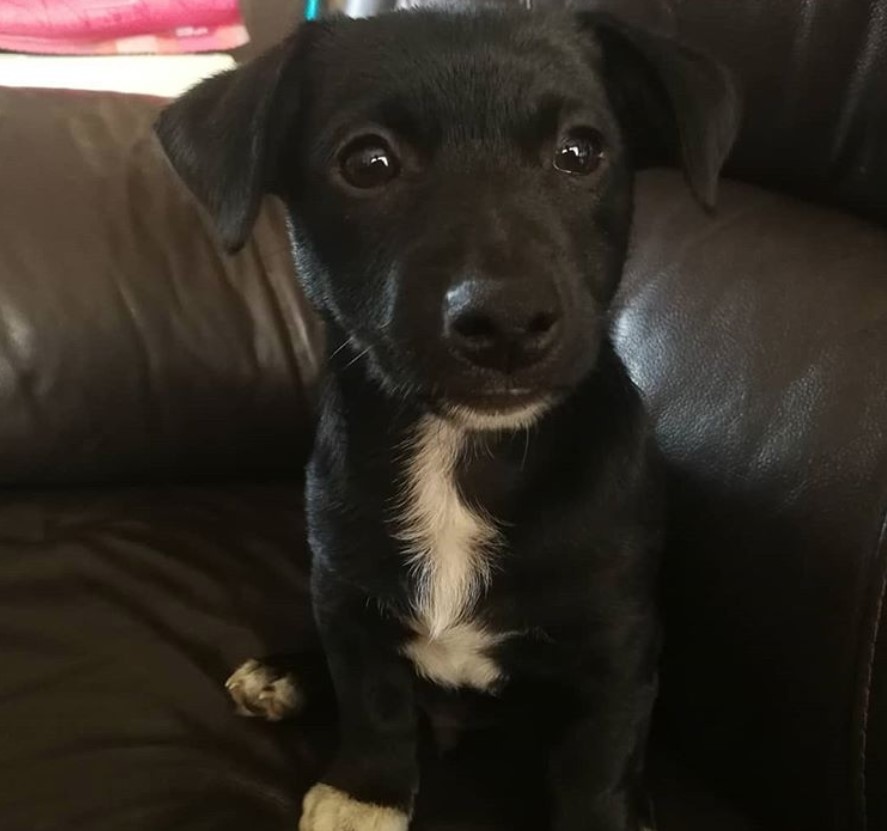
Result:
{"points": [[526, 447], [356, 358], [340, 348]]}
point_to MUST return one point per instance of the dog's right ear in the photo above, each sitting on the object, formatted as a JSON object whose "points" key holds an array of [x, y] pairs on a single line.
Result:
{"points": [[224, 136]]}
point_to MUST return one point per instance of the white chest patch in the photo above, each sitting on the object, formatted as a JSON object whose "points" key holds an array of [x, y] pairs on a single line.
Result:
{"points": [[458, 657], [449, 545]]}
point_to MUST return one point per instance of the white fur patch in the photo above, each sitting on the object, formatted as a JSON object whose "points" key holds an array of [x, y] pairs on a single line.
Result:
{"points": [[458, 657], [328, 809], [449, 546], [259, 692], [517, 419]]}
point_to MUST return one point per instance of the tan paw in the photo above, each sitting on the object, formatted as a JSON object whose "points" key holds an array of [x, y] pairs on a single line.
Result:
{"points": [[259, 691], [327, 809]]}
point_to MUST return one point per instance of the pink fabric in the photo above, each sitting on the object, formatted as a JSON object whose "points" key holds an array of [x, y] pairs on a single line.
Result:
{"points": [[182, 40], [99, 27], [111, 18]]}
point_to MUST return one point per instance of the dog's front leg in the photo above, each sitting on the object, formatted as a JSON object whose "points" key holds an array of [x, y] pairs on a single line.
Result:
{"points": [[372, 782], [597, 765]]}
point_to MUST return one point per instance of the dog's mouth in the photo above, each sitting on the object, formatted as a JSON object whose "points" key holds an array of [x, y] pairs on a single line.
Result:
{"points": [[472, 403]]}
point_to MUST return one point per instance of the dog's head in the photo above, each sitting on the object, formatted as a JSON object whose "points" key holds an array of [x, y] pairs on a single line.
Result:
{"points": [[459, 185]]}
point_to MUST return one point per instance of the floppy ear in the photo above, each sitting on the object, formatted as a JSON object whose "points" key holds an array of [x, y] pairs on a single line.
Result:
{"points": [[674, 103], [224, 136]]}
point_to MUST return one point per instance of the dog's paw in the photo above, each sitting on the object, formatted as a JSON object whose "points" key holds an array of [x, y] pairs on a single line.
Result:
{"points": [[328, 809], [260, 691]]}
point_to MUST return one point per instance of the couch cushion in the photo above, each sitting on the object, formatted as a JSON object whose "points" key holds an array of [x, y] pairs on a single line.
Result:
{"points": [[131, 348], [121, 614]]}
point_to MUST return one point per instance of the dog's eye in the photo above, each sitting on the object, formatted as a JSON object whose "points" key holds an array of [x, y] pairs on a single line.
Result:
{"points": [[580, 152], [369, 163]]}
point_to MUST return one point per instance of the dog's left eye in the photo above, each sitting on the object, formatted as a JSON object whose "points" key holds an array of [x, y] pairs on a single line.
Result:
{"points": [[369, 163], [580, 152]]}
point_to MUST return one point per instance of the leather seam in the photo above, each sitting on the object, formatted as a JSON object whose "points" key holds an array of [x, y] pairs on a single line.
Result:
{"points": [[871, 651]]}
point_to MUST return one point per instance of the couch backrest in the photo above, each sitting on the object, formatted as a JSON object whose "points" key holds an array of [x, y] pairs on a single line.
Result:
{"points": [[130, 348], [814, 76]]}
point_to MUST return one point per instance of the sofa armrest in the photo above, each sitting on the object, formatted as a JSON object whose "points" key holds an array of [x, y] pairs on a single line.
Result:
{"points": [[758, 336]]}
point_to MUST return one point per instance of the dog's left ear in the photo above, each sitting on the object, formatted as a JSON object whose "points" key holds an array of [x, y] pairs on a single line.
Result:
{"points": [[225, 135], [674, 103]]}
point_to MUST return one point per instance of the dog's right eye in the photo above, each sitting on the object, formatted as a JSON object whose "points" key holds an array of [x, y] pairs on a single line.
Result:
{"points": [[368, 163], [579, 153]]}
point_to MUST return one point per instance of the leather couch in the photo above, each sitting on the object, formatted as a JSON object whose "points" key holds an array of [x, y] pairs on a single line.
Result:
{"points": [[156, 406]]}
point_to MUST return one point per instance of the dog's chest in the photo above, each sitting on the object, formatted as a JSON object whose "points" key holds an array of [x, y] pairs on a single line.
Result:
{"points": [[449, 545]]}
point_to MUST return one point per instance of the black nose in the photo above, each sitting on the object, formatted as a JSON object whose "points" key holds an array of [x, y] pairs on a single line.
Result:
{"points": [[494, 324]]}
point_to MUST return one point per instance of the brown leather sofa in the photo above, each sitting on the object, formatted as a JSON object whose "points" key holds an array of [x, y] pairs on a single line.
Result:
{"points": [[155, 413]]}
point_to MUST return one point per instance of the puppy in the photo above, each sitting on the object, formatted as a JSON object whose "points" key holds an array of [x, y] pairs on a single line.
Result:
{"points": [[483, 510]]}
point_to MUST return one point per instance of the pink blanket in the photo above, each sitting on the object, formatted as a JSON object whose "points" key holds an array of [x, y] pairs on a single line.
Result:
{"points": [[113, 26]]}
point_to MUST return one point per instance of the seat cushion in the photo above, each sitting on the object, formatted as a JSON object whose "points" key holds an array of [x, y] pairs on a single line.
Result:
{"points": [[121, 614]]}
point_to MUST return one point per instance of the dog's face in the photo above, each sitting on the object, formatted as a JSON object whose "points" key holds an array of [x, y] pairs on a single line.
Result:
{"points": [[458, 185]]}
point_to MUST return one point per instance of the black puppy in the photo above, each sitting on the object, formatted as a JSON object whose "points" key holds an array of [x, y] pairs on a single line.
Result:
{"points": [[482, 508]]}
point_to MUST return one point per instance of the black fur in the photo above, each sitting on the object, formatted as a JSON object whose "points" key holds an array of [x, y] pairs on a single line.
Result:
{"points": [[473, 104]]}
